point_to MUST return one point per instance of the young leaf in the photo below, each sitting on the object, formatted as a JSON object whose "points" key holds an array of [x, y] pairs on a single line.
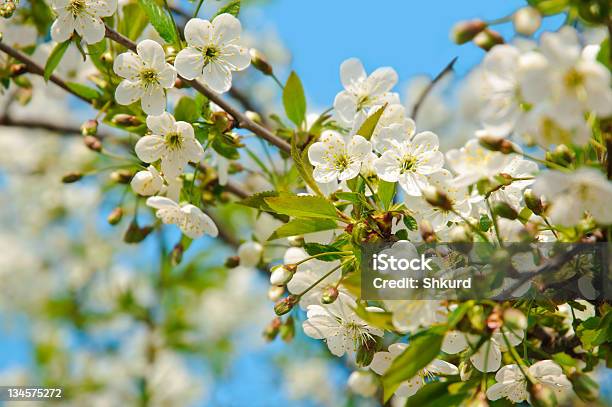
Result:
{"points": [[294, 100], [300, 161], [186, 110], [83, 91], [233, 8], [298, 227], [368, 126], [317, 248], [160, 20], [410, 222], [303, 206], [386, 191], [133, 21], [54, 58], [258, 201]]}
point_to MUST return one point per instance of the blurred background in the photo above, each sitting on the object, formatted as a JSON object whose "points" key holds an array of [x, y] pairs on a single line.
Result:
{"points": [[77, 306]]}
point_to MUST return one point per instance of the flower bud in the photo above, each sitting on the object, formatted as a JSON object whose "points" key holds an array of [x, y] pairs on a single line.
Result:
{"points": [[135, 233], [89, 128], [121, 176], [533, 202], [275, 292], [92, 143], [515, 319], [232, 261], [363, 383], [562, 155], [427, 232], [177, 254], [106, 58], [585, 387], [465, 31], [254, 116], [281, 275], [250, 254], [287, 330], [25, 90], [296, 241], [437, 198], [495, 143], [7, 9], [115, 216], [465, 371], [259, 62], [542, 396], [223, 121], [271, 331], [126, 120], [526, 20], [286, 304], [17, 70], [504, 210], [487, 39], [71, 177], [330, 294]]}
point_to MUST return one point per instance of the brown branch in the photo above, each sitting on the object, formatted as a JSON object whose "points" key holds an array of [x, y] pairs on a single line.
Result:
{"points": [[448, 68], [242, 120], [34, 68], [5, 120]]}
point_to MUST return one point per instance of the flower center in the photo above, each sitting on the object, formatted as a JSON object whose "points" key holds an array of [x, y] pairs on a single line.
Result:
{"points": [[342, 162], [148, 76], [573, 79], [174, 140], [362, 102], [76, 7], [210, 54], [408, 163]]}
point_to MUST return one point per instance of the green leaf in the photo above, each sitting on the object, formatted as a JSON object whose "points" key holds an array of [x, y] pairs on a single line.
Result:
{"points": [[83, 91], [186, 110], [603, 55], [386, 191], [160, 20], [485, 223], [95, 51], [42, 15], [303, 206], [294, 100], [301, 164], [133, 21], [382, 320], [458, 313], [233, 8], [224, 149], [258, 201], [420, 352], [367, 127], [317, 248], [54, 58], [410, 222], [298, 227]]}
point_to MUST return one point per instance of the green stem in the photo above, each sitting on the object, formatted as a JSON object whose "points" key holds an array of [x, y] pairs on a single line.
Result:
{"points": [[495, 225], [197, 10], [316, 283], [278, 82], [314, 256], [474, 228]]}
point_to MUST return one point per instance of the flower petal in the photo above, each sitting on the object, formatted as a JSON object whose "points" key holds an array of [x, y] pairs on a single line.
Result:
{"points": [[189, 63], [218, 77], [226, 29], [152, 54], [63, 27], [149, 148], [198, 32], [128, 92], [351, 72]]}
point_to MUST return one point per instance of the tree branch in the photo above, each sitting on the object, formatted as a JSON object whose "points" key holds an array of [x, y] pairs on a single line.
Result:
{"points": [[242, 120], [448, 68]]}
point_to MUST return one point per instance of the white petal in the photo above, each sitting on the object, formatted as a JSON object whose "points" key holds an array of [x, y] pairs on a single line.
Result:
{"points": [[226, 29], [128, 92], [149, 148], [153, 100], [454, 342], [198, 32], [152, 54], [381, 81], [167, 76], [487, 357], [427, 140], [63, 27], [90, 28], [359, 148], [189, 63], [217, 77], [197, 223], [351, 71], [160, 202], [102, 8], [345, 105], [128, 65], [161, 124], [238, 57]]}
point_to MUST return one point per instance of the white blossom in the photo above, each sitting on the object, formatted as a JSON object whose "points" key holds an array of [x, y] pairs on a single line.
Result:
{"points": [[213, 52], [148, 182], [189, 218], [146, 75], [362, 383], [337, 159], [82, 16], [250, 254]]}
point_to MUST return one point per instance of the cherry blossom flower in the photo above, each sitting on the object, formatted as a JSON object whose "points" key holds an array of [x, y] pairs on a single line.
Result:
{"points": [[339, 325], [82, 16], [250, 254], [173, 142], [337, 159], [362, 91], [214, 51], [488, 356], [146, 76], [189, 218], [363, 383], [572, 194], [512, 383], [148, 182], [407, 160], [382, 362]]}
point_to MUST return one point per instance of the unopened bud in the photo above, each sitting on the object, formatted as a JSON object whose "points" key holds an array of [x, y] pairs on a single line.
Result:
{"points": [[271, 331], [427, 232], [250, 254], [259, 62], [223, 121], [585, 387], [177, 254], [275, 292], [254, 116], [533, 202], [179, 83], [286, 304], [121, 176], [18, 69], [465, 31], [89, 128], [126, 120], [281, 275], [296, 241], [115, 216], [7, 9], [92, 143], [24, 84], [437, 198], [487, 39], [71, 177], [504, 210], [330, 294], [495, 143], [106, 58], [135, 233], [232, 261], [515, 320], [287, 330], [542, 396], [526, 20], [561, 155]]}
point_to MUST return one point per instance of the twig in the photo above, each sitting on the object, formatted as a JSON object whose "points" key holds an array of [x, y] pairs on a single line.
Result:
{"points": [[448, 68], [242, 120]]}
